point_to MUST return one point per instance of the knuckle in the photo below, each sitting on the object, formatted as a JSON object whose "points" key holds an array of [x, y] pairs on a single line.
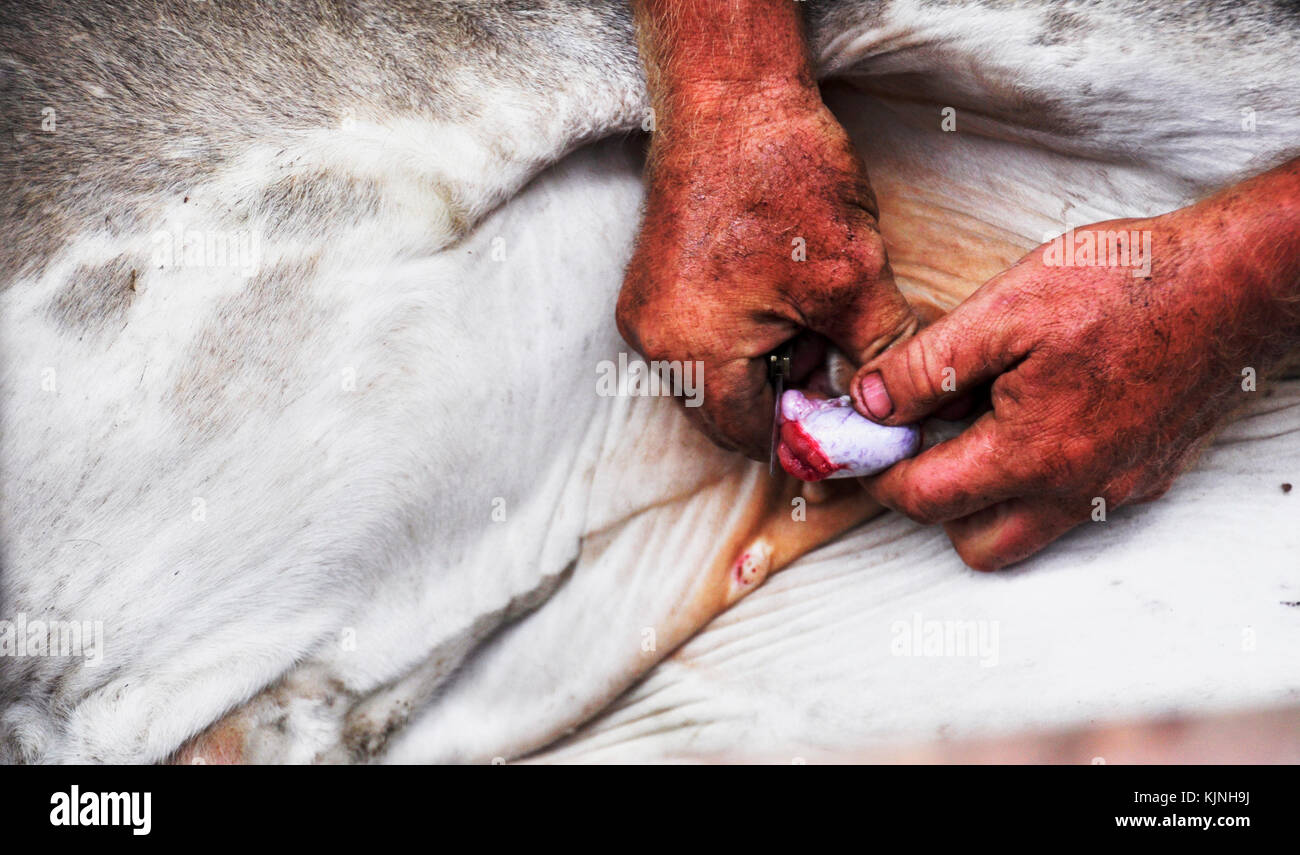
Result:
{"points": [[630, 315], [626, 324], [1072, 464], [922, 503], [869, 254], [652, 335], [920, 370], [857, 273], [983, 560]]}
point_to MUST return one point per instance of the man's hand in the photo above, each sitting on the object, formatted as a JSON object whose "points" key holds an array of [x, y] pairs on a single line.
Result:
{"points": [[1104, 384], [760, 221]]}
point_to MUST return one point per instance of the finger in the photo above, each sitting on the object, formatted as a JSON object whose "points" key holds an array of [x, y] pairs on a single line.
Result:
{"points": [[867, 320], [969, 472], [972, 344], [735, 410], [1012, 531]]}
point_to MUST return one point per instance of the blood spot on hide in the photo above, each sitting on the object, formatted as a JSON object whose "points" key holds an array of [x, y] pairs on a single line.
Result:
{"points": [[749, 569]]}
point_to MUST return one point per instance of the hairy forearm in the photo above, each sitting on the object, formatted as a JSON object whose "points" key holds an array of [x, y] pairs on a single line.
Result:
{"points": [[709, 59], [1270, 237], [1255, 226]]}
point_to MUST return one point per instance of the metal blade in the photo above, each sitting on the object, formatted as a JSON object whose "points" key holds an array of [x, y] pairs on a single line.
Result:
{"points": [[778, 370]]}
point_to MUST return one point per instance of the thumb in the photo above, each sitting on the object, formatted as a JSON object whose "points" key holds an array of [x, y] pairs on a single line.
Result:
{"points": [[908, 382], [867, 320]]}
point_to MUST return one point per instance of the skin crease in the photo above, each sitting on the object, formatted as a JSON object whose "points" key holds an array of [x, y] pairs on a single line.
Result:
{"points": [[1103, 384], [745, 161]]}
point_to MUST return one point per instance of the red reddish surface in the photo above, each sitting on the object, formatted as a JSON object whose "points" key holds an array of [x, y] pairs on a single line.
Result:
{"points": [[801, 456]]}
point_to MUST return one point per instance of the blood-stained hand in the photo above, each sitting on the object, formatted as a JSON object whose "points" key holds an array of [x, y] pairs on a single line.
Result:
{"points": [[1106, 377], [760, 222]]}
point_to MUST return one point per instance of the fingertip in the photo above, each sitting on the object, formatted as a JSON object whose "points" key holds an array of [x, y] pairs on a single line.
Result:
{"points": [[974, 543], [870, 396], [980, 562], [1005, 534]]}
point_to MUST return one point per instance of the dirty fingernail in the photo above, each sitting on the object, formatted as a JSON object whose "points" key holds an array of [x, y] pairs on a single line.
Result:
{"points": [[874, 397]]}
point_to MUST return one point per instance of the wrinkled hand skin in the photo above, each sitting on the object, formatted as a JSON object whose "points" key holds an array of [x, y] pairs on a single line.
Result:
{"points": [[1103, 385], [714, 276], [760, 223]]}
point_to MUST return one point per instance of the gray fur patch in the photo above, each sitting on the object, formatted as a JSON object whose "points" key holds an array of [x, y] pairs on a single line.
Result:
{"points": [[96, 297], [225, 375], [319, 200], [105, 110]]}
